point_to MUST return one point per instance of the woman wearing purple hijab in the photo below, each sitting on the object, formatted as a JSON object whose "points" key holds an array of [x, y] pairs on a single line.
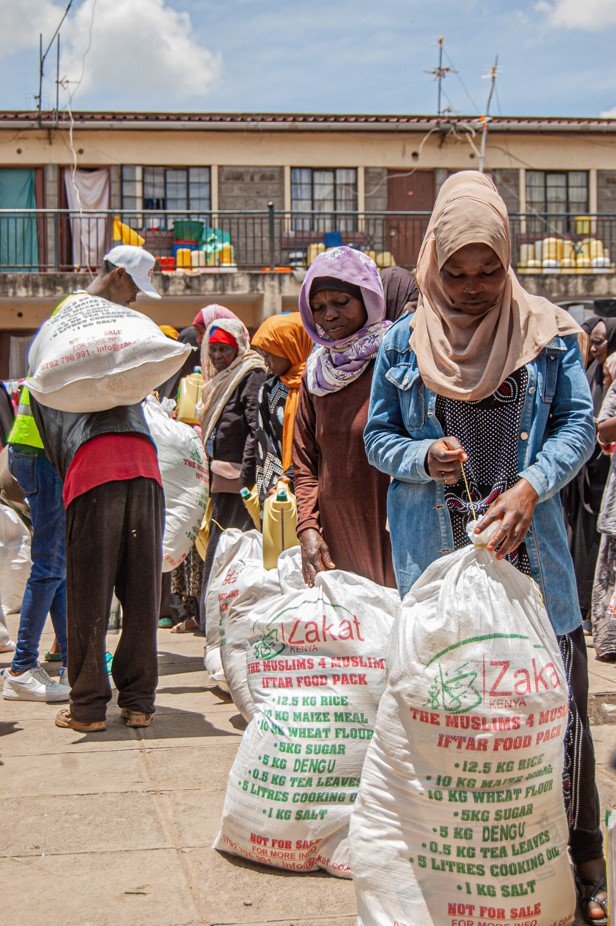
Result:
{"points": [[341, 499]]}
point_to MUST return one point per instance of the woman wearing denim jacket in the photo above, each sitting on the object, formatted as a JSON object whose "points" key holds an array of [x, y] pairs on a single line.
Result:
{"points": [[488, 376]]}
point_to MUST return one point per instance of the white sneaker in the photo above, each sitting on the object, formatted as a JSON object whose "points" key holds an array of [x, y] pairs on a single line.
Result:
{"points": [[33, 685], [7, 647]]}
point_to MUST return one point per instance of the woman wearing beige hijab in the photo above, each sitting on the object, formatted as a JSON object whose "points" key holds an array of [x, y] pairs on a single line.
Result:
{"points": [[491, 376]]}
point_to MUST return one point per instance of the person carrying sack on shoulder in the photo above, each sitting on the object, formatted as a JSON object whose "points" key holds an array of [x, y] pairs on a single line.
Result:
{"points": [[125, 272]]}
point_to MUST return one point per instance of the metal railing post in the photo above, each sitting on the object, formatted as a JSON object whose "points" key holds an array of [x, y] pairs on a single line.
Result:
{"points": [[272, 236]]}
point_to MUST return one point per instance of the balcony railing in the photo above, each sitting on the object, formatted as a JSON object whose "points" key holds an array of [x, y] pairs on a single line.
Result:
{"points": [[60, 240]]}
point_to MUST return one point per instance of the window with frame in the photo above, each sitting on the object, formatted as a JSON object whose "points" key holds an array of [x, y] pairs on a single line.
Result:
{"points": [[331, 193], [561, 194], [154, 190]]}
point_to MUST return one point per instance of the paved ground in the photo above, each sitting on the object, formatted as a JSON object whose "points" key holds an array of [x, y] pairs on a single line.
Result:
{"points": [[115, 829]]}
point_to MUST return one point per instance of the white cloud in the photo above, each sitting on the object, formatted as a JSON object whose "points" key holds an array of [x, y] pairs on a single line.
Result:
{"points": [[138, 50], [591, 15], [141, 52], [609, 113], [22, 23]]}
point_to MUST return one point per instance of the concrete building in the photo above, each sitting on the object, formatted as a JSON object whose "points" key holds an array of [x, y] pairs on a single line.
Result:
{"points": [[255, 195]]}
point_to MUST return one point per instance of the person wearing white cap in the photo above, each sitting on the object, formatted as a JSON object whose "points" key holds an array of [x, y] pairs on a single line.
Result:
{"points": [[112, 492], [126, 271]]}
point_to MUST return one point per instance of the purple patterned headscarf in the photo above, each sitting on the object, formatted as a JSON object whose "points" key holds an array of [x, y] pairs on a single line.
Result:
{"points": [[335, 364]]}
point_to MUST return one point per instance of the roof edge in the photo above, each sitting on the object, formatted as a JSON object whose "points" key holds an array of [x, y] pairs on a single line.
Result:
{"points": [[297, 121]]}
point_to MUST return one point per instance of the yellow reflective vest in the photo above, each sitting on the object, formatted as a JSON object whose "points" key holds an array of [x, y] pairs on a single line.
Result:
{"points": [[24, 430]]}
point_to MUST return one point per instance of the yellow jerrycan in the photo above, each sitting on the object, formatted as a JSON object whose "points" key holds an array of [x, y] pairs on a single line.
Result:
{"points": [[190, 393], [279, 524], [250, 497]]}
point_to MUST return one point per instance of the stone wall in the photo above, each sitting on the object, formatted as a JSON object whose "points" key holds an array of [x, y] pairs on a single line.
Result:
{"points": [[250, 187], [115, 185], [376, 189], [52, 180], [606, 191], [508, 185]]}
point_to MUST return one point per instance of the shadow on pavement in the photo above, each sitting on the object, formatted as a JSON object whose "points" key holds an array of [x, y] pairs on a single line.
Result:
{"points": [[169, 724]]}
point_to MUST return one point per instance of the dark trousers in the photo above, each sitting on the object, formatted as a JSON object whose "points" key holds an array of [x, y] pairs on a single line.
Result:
{"points": [[114, 541], [581, 796]]}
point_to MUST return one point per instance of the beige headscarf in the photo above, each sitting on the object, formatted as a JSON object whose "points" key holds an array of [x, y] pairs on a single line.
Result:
{"points": [[463, 356]]}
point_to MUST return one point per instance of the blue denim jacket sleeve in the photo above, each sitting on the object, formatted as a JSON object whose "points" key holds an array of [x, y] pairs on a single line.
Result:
{"points": [[558, 431], [557, 453], [389, 446]]}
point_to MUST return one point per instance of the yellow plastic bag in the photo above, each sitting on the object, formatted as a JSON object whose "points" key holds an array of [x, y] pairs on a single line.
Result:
{"points": [[125, 234], [203, 537]]}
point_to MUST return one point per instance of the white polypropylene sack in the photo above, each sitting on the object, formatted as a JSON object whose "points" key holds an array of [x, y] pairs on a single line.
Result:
{"points": [[236, 549], [184, 472], [15, 561], [247, 585], [94, 355], [460, 818], [316, 670]]}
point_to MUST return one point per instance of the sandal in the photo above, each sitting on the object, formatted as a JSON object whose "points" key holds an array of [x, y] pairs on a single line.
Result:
{"points": [[66, 720], [53, 657], [189, 625], [597, 887]]}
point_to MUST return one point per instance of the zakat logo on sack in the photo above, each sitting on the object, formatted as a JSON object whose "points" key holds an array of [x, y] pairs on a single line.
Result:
{"points": [[504, 681], [309, 634], [269, 646], [501, 684], [306, 636], [454, 690]]}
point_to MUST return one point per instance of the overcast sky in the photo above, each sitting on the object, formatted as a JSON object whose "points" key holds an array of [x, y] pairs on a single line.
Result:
{"points": [[556, 57]]}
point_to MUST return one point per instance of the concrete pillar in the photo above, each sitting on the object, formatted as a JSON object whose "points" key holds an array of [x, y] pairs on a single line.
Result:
{"points": [[522, 196], [361, 197], [52, 179], [214, 188], [271, 301], [115, 187], [287, 197], [592, 191]]}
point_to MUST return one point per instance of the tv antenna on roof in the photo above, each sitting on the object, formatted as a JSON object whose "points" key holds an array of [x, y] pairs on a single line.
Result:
{"points": [[440, 73], [485, 119], [42, 57]]}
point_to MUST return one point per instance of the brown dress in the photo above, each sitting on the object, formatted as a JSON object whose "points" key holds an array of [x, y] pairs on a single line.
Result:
{"points": [[338, 492]]}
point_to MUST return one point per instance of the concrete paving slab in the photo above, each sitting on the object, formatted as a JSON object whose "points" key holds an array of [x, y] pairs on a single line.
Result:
{"points": [[75, 773], [175, 692], [195, 815], [300, 921], [604, 738], [187, 768], [602, 708], [97, 822], [138, 888], [602, 675], [40, 736], [262, 894], [184, 727]]}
